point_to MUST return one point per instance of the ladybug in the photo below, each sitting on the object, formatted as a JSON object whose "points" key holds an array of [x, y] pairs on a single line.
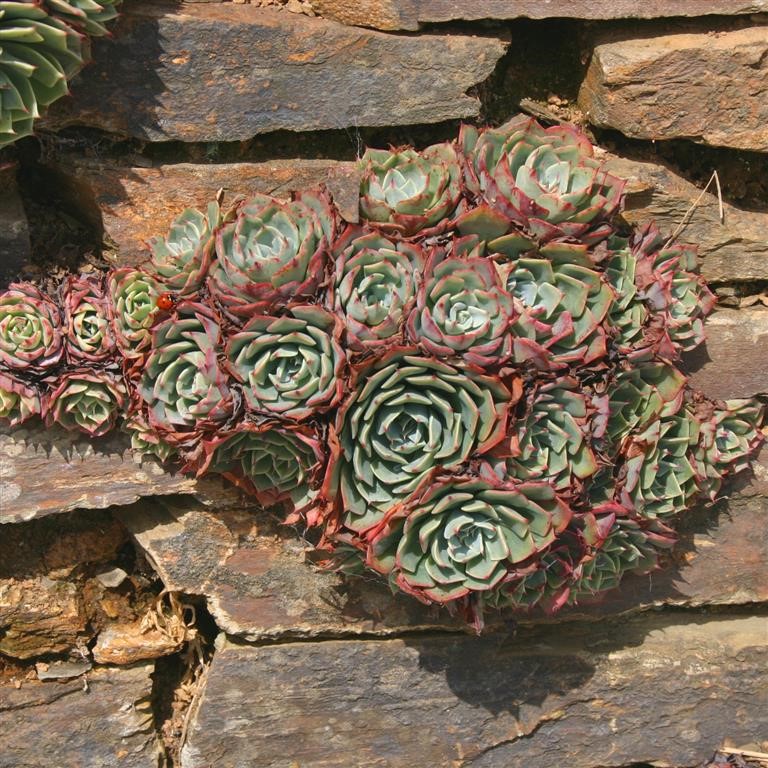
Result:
{"points": [[166, 301]]}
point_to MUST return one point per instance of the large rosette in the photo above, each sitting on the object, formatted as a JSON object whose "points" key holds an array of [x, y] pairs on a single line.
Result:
{"points": [[552, 442], [410, 192], [181, 259], [462, 307], [133, 297], [277, 464], [183, 387], [408, 417], [31, 336], [376, 279], [464, 535], [89, 333], [291, 365], [273, 251], [561, 313], [544, 181], [86, 402]]}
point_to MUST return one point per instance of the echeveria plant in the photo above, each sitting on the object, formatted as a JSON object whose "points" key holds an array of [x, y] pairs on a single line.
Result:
{"points": [[473, 392]]}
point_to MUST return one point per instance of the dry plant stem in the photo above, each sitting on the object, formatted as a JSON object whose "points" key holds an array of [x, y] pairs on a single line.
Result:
{"points": [[689, 213]]}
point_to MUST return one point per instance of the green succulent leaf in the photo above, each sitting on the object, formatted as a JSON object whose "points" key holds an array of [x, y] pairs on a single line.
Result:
{"points": [[86, 402]]}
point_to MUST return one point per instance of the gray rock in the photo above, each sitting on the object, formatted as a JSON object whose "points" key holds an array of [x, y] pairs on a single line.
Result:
{"points": [[733, 250], [67, 724], [224, 72], [710, 88], [660, 688], [15, 247], [49, 471], [410, 14]]}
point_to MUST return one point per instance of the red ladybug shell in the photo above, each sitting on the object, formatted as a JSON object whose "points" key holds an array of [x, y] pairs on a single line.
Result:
{"points": [[166, 301]]}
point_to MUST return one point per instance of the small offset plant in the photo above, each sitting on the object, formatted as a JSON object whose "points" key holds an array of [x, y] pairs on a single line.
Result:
{"points": [[473, 392], [43, 45]]}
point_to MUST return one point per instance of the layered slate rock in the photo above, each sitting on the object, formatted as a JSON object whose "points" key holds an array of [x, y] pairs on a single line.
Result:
{"points": [[48, 471], [258, 586], [257, 583], [131, 204], [734, 360], [711, 88], [733, 249], [650, 690], [15, 247], [410, 14], [101, 721], [224, 72]]}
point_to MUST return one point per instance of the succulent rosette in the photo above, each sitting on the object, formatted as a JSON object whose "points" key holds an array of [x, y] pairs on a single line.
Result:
{"points": [[31, 336], [659, 476], [561, 312], [552, 442], [408, 417], [87, 401], [375, 286], [728, 438], [667, 278], [39, 54], [411, 193], [133, 298], [18, 400], [618, 545], [184, 388], [274, 250], [181, 259], [275, 463], [86, 313], [544, 181], [464, 535], [290, 365], [462, 307]]}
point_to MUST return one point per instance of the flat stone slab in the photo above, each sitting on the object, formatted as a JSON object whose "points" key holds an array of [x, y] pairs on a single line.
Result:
{"points": [[105, 722], [254, 577], [409, 14], [664, 689], [258, 586], [733, 250], [131, 204], [710, 88], [48, 471], [227, 72], [733, 362]]}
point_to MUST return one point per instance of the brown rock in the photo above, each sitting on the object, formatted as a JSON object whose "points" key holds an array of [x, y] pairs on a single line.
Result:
{"points": [[226, 72], [408, 14], [15, 248], [256, 581], [735, 249], [658, 688], [129, 643], [39, 616], [258, 585], [131, 204], [710, 88], [104, 724], [48, 471], [734, 360]]}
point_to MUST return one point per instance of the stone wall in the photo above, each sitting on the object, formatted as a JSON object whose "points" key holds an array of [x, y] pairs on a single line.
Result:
{"points": [[150, 619]]}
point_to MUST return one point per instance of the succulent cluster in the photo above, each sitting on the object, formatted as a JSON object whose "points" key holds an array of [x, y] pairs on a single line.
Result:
{"points": [[43, 45], [472, 392]]}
